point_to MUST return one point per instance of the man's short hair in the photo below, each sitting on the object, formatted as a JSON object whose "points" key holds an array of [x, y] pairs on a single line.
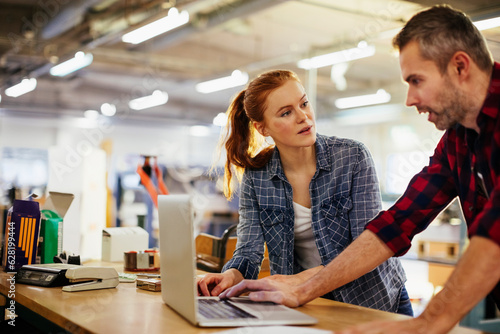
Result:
{"points": [[441, 31]]}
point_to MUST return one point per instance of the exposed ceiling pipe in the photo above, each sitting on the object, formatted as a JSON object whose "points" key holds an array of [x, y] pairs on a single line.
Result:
{"points": [[70, 15], [63, 19], [223, 13], [67, 17], [111, 28], [176, 112]]}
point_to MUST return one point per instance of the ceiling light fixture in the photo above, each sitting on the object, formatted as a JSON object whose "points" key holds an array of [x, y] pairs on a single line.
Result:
{"points": [[488, 23], [337, 75], [363, 100], [173, 20], [25, 86], [156, 99], [363, 50], [366, 115], [108, 109], [199, 131], [80, 60], [237, 78], [220, 119], [91, 114]]}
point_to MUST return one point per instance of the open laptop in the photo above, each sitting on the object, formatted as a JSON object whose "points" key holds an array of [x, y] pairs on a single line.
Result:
{"points": [[178, 277]]}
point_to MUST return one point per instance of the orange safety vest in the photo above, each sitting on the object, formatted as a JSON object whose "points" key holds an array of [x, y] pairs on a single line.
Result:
{"points": [[148, 183]]}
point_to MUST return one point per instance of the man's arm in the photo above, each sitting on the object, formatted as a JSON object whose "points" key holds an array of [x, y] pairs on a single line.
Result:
{"points": [[475, 276], [295, 279], [364, 254]]}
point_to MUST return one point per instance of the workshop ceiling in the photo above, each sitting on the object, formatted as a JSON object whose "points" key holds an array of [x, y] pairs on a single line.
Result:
{"points": [[221, 36]]}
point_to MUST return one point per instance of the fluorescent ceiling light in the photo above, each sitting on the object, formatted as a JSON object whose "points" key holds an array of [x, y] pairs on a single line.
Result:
{"points": [[199, 131], [363, 116], [25, 86], [488, 24], [173, 20], [237, 78], [220, 119], [156, 99], [362, 51], [481, 25], [363, 100], [91, 114], [80, 60], [389, 33], [108, 109]]}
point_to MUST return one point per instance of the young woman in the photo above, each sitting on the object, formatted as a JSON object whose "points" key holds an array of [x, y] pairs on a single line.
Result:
{"points": [[307, 196]]}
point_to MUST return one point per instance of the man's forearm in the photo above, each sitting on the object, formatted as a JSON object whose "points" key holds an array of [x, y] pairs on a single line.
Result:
{"points": [[303, 276], [363, 255], [476, 274]]}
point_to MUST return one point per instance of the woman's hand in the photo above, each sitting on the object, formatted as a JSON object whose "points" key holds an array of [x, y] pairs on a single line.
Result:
{"points": [[214, 284]]}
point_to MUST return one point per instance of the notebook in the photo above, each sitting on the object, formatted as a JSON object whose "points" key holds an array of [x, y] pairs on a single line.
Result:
{"points": [[178, 277]]}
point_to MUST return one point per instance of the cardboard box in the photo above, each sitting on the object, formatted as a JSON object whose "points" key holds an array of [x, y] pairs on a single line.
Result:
{"points": [[445, 250], [21, 235], [150, 284], [118, 240], [51, 230]]}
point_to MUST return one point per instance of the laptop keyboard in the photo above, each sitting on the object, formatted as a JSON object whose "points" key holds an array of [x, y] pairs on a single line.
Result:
{"points": [[221, 309]]}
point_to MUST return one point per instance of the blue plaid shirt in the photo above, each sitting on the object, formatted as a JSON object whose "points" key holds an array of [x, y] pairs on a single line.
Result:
{"points": [[344, 197]]}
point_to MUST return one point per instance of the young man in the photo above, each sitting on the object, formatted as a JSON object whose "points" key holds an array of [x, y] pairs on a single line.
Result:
{"points": [[451, 77]]}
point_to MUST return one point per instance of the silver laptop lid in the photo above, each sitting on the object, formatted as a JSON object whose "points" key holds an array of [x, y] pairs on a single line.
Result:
{"points": [[178, 290], [178, 274]]}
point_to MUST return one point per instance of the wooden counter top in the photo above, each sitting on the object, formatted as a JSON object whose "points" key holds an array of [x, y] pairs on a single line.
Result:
{"points": [[126, 309]]}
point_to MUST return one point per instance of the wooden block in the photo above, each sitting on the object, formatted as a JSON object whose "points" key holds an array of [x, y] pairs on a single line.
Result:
{"points": [[439, 273]]}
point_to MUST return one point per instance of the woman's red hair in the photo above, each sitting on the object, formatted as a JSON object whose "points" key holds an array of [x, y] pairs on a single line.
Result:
{"points": [[244, 145]]}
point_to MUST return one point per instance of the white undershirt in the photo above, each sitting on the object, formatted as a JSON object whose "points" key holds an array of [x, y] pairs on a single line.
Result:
{"points": [[305, 246]]}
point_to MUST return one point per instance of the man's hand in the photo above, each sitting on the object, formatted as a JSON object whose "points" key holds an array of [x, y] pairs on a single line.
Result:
{"points": [[284, 279], [280, 289], [266, 290], [296, 279], [361, 256]]}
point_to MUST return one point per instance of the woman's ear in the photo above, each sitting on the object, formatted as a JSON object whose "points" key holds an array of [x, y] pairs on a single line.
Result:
{"points": [[259, 126]]}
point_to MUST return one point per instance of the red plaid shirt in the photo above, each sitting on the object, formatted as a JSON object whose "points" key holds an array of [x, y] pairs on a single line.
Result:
{"points": [[464, 164]]}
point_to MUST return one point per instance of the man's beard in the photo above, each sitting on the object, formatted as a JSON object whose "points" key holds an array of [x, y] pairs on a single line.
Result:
{"points": [[452, 107]]}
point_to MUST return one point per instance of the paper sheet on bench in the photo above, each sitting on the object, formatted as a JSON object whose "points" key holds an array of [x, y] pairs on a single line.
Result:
{"points": [[274, 330]]}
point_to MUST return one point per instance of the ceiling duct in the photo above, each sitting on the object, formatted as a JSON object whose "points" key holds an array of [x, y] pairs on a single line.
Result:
{"points": [[66, 17], [223, 11]]}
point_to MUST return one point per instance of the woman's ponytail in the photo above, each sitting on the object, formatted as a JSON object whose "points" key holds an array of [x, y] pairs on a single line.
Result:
{"points": [[237, 142]]}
